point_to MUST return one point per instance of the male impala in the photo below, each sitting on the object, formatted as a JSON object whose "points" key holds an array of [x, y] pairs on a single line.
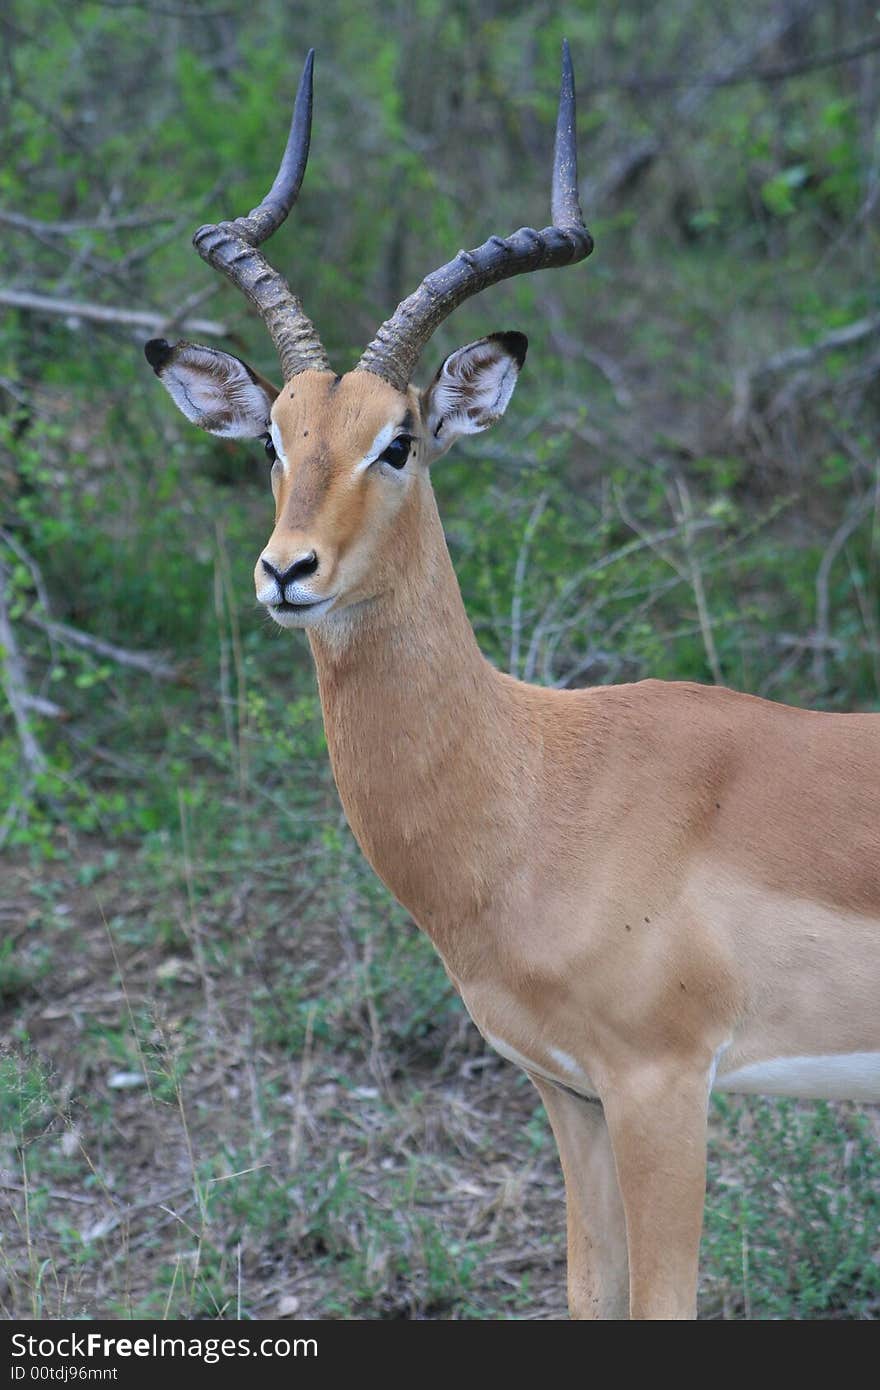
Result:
{"points": [[642, 892]]}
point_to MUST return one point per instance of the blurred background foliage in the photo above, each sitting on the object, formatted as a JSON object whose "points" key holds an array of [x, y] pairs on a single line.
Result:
{"points": [[687, 485]]}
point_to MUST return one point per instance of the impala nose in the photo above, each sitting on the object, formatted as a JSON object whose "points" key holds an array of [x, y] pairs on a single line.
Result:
{"points": [[300, 569]]}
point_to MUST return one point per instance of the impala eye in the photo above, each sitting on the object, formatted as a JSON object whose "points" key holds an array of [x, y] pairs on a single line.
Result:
{"points": [[397, 452], [271, 455]]}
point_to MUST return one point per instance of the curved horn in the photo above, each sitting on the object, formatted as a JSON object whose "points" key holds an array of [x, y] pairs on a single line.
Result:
{"points": [[231, 247], [394, 351]]}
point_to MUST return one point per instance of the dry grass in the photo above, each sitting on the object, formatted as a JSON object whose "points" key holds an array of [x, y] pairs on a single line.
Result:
{"points": [[187, 1133], [171, 1163]]}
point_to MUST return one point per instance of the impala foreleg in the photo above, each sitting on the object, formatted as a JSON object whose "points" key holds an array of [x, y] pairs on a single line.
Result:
{"points": [[598, 1280], [657, 1121]]}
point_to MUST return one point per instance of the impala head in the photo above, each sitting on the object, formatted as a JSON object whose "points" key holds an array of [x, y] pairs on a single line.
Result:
{"points": [[350, 455]]}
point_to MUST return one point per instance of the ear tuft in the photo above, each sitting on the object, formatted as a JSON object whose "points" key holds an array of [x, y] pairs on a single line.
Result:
{"points": [[516, 344], [157, 352]]}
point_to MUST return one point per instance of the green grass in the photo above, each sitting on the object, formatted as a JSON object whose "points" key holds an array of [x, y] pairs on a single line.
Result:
{"points": [[793, 1226]]}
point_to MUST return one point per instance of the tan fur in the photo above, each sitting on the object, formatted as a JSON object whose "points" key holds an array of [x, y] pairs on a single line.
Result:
{"points": [[631, 886]]}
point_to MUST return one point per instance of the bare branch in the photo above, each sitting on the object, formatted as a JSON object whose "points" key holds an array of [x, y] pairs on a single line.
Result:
{"points": [[71, 228], [15, 686], [686, 517], [29, 562], [47, 708], [634, 161], [851, 523], [838, 338], [778, 72], [791, 358], [573, 346], [550, 618], [519, 581], [174, 11], [152, 319], [149, 662]]}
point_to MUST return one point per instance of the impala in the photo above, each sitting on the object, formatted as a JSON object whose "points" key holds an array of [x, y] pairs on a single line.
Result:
{"points": [[642, 892]]}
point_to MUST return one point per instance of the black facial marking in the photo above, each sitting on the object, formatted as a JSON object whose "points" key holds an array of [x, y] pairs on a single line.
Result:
{"points": [[517, 344], [157, 352]]}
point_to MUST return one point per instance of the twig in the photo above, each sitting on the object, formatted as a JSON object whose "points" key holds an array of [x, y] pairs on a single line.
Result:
{"points": [[628, 167], [73, 637], [305, 1067], [47, 708], [53, 1192], [869, 620], [696, 576], [71, 228], [30, 564], [808, 642], [15, 686], [105, 313], [15, 391], [691, 573], [174, 11], [602, 361], [778, 72], [519, 580], [823, 575], [745, 379], [180, 317], [838, 338], [548, 618]]}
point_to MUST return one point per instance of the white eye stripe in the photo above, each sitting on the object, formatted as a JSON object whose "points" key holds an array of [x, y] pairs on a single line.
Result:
{"points": [[275, 435], [378, 446]]}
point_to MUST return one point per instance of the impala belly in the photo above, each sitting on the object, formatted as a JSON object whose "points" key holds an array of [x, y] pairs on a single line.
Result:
{"points": [[840, 1076]]}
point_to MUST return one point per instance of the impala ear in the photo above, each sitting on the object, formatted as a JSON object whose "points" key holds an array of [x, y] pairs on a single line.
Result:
{"points": [[214, 390], [472, 388]]}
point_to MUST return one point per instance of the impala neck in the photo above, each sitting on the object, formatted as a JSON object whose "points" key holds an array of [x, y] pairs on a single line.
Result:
{"points": [[419, 731]]}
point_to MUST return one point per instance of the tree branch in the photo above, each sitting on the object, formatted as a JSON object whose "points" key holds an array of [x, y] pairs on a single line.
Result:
{"points": [[105, 313], [15, 687], [123, 656], [71, 228], [746, 378], [778, 72]]}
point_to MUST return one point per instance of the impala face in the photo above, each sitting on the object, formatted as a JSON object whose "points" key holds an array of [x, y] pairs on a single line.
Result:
{"points": [[348, 457], [350, 460]]}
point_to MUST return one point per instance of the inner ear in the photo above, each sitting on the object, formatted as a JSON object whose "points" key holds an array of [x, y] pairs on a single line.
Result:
{"points": [[473, 387], [216, 391]]}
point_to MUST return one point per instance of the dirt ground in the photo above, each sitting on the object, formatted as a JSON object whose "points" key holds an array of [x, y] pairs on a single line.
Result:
{"points": [[165, 1157], [220, 1102]]}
